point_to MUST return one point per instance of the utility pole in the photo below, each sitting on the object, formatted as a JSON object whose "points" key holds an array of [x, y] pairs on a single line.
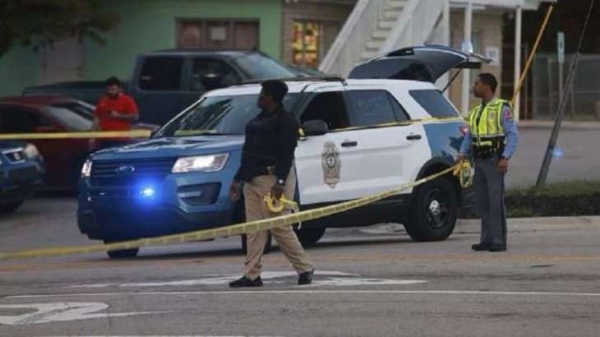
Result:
{"points": [[467, 47]]}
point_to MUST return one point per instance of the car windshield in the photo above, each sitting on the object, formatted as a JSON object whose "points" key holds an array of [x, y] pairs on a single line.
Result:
{"points": [[218, 115], [260, 67], [74, 116]]}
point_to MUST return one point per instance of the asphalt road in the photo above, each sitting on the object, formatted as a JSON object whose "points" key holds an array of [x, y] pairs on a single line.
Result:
{"points": [[369, 282]]}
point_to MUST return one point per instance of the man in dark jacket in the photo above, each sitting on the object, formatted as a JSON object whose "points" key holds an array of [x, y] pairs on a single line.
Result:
{"points": [[267, 168]]}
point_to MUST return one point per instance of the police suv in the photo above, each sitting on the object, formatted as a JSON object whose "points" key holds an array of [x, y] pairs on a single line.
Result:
{"points": [[385, 126]]}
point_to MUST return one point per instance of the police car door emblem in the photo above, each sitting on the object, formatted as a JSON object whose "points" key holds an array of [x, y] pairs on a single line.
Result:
{"points": [[331, 163]]}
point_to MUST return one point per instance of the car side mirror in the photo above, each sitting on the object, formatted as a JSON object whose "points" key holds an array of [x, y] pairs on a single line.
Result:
{"points": [[315, 128]]}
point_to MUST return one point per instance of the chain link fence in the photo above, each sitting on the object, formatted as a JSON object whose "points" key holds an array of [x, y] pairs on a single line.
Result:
{"points": [[584, 98]]}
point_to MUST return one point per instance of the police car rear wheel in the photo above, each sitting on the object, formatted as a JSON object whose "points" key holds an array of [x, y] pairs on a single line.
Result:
{"points": [[434, 211], [309, 236], [121, 254], [10, 207]]}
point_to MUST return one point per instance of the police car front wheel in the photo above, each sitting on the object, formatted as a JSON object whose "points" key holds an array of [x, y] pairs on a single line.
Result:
{"points": [[434, 211], [121, 254]]}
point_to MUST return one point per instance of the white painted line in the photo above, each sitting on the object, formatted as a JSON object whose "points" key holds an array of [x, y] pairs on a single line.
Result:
{"points": [[171, 336], [347, 282], [214, 280], [315, 292], [62, 312]]}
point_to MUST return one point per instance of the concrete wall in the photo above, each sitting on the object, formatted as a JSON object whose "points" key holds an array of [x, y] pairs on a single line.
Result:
{"points": [[18, 68], [487, 32], [147, 25]]}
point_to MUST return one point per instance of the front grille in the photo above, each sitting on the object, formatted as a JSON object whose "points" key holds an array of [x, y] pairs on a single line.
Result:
{"points": [[124, 173], [24, 175], [15, 156]]}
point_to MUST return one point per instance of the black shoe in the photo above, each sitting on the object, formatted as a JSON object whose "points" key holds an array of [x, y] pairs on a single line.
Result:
{"points": [[480, 247], [246, 282], [497, 248], [306, 277]]}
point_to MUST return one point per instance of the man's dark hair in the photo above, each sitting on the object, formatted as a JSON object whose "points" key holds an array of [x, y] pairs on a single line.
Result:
{"points": [[112, 81], [276, 89], [490, 80]]}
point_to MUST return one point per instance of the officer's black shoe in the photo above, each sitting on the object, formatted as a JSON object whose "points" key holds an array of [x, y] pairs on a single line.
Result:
{"points": [[480, 247], [497, 248], [245, 282], [306, 277]]}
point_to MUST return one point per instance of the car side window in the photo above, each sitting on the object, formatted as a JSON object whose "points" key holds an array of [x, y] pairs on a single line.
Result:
{"points": [[16, 120], [370, 107], [434, 103], [210, 73], [328, 107], [401, 114], [161, 73]]}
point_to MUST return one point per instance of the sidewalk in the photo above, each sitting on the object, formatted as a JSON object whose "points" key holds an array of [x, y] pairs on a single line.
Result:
{"points": [[573, 125], [515, 225]]}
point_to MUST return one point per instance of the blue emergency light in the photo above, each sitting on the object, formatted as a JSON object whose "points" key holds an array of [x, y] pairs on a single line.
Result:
{"points": [[147, 192]]}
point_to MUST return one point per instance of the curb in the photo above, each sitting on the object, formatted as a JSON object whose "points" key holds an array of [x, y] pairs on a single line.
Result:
{"points": [[565, 125], [515, 225]]}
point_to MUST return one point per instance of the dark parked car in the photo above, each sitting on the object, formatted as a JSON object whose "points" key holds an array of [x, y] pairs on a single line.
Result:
{"points": [[42, 114], [21, 173], [163, 83]]}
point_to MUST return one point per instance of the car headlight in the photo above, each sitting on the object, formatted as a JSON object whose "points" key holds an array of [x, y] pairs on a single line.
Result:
{"points": [[210, 163], [86, 170], [31, 151]]}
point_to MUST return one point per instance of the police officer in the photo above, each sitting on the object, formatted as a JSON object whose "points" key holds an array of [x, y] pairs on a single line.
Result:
{"points": [[492, 140], [267, 168]]}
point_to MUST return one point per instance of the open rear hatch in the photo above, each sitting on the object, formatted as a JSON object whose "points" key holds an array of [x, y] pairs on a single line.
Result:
{"points": [[422, 63]]}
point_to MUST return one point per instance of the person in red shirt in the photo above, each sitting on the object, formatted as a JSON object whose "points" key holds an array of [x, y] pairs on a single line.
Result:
{"points": [[115, 111]]}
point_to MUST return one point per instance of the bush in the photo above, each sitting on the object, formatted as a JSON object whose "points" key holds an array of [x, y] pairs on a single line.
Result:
{"points": [[573, 198]]}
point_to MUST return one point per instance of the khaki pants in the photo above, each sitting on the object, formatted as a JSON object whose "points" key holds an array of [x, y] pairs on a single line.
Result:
{"points": [[254, 193]]}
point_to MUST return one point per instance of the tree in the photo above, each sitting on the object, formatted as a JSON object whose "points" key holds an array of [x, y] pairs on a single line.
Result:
{"points": [[38, 23]]}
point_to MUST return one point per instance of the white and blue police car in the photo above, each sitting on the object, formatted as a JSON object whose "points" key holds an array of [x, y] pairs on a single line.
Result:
{"points": [[384, 126]]}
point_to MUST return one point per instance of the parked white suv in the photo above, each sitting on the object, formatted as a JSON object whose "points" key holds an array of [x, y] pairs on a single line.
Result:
{"points": [[379, 129]]}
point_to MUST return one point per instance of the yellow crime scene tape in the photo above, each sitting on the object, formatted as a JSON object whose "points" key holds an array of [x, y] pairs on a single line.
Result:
{"points": [[147, 133], [238, 229]]}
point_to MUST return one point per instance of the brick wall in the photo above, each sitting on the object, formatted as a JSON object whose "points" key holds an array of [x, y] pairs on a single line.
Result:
{"points": [[487, 32], [310, 10]]}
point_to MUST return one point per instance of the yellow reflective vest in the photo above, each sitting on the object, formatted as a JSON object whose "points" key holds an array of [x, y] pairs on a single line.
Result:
{"points": [[486, 125]]}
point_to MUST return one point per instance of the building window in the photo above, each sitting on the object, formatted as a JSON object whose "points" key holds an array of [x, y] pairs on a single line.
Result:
{"points": [[216, 34], [311, 41]]}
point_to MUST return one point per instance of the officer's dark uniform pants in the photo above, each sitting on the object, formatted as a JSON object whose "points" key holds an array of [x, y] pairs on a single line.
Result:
{"points": [[489, 189]]}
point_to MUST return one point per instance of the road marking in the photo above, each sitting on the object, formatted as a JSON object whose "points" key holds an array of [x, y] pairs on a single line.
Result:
{"points": [[313, 292], [326, 278], [171, 336], [213, 280], [61, 312]]}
